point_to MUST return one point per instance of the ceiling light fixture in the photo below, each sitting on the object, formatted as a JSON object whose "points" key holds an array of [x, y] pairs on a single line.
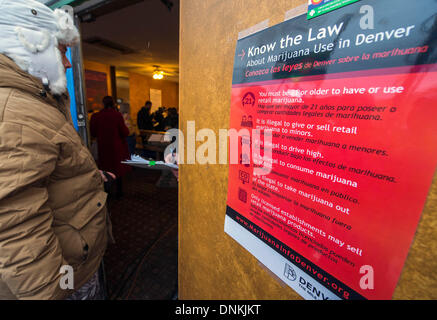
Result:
{"points": [[158, 74]]}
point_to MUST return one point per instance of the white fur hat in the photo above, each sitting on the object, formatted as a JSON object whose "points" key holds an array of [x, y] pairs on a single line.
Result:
{"points": [[30, 33]]}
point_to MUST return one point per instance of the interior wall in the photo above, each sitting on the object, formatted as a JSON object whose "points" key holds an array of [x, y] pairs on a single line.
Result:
{"points": [[139, 92], [211, 264], [123, 93], [123, 89]]}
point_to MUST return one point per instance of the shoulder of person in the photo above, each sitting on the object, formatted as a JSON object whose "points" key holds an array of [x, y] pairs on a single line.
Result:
{"points": [[20, 107]]}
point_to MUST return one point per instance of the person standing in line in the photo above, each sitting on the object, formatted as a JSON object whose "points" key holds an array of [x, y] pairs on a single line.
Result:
{"points": [[108, 127], [158, 119], [53, 213], [172, 119], [145, 118]]}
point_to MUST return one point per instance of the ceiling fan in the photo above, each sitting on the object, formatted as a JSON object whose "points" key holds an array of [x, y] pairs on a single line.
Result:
{"points": [[159, 73]]}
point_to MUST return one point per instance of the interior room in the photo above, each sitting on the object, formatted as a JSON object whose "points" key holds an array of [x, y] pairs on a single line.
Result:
{"points": [[130, 51]]}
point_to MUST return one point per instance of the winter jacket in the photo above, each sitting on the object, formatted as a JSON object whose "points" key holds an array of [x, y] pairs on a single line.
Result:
{"points": [[52, 204]]}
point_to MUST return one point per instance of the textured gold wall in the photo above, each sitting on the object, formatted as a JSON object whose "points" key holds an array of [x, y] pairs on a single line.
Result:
{"points": [[211, 264]]}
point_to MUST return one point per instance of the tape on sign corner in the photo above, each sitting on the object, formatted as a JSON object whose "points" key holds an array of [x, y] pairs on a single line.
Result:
{"points": [[293, 13], [253, 29]]}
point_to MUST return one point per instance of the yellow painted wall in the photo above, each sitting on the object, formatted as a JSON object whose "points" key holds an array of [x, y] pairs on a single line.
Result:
{"points": [[211, 264], [139, 92], [123, 93]]}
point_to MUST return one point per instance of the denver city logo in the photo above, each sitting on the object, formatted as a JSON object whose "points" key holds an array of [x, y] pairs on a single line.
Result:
{"points": [[304, 284], [289, 272], [311, 289]]}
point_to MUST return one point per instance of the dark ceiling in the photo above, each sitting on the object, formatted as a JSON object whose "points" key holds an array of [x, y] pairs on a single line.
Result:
{"points": [[132, 35]]}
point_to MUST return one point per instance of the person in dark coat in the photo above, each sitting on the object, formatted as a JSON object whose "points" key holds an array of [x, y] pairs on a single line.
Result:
{"points": [[144, 118], [111, 132], [158, 118], [172, 119]]}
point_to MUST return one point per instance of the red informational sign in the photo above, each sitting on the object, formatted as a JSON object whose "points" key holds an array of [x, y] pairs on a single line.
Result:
{"points": [[353, 156]]}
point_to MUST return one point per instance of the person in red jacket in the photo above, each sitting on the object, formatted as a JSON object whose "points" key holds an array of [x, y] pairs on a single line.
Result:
{"points": [[110, 130]]}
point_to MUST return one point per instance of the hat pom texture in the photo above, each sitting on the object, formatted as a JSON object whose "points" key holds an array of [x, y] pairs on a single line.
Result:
{"points": [[67, 32], [30, 33]]}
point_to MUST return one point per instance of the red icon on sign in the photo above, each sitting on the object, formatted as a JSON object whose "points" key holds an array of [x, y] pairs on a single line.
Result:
{"points": [[245, 159], [244, 176], [247, 121], [248, 100], [242, 195]]}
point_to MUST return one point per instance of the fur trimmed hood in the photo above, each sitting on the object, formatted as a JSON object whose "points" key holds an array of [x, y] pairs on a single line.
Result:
{"points": [[30, 33]]}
